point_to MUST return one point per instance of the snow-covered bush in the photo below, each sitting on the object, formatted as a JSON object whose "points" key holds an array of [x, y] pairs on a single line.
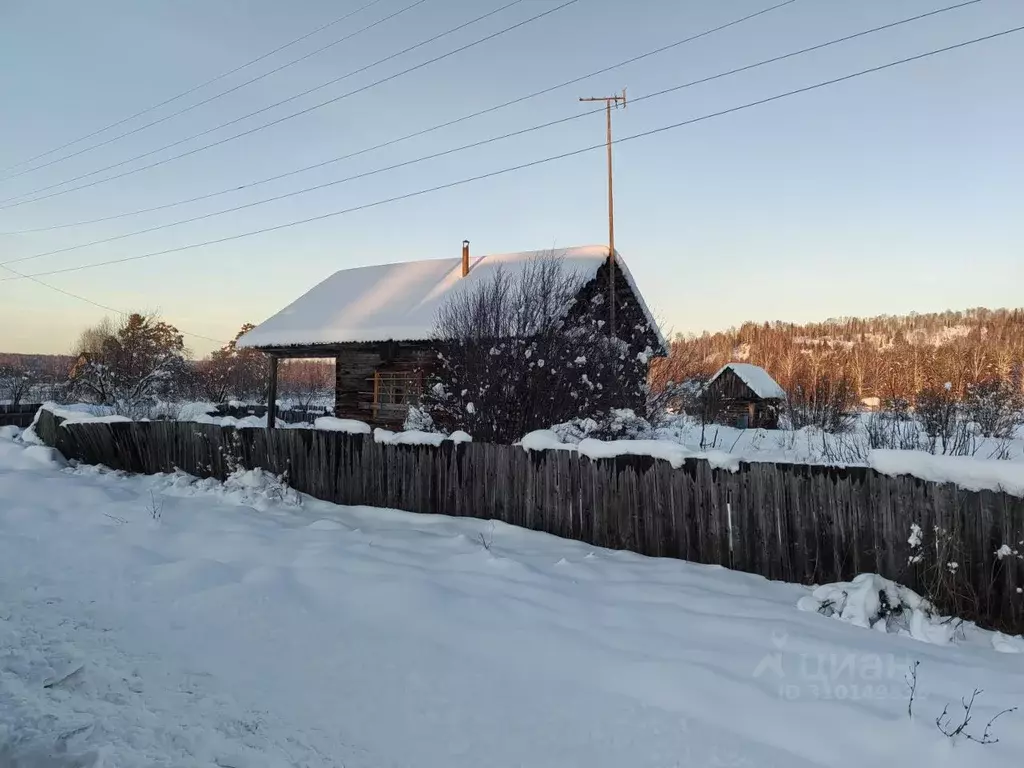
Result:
{"points": [[873, 602], [131, 366], [524, 351], [618, 424], [419, 420], [254, 488]]}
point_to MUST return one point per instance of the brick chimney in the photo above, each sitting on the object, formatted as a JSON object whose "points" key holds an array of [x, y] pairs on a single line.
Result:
{"points": [[465, 257]]}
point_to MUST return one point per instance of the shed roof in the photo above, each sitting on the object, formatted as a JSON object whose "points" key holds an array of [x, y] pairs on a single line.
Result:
{"points": [[757, 378], [399, 302]]}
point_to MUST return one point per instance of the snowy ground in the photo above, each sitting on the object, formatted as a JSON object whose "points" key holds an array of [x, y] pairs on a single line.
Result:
{"points": [[174, 622], [810, 445]]}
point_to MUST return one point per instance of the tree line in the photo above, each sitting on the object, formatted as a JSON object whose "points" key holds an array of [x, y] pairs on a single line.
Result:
{"points": [[137, 362], [893, 358], [959, 374]]}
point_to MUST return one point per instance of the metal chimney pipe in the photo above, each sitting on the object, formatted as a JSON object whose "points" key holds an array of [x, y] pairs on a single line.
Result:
{"points": [[465, 257]]}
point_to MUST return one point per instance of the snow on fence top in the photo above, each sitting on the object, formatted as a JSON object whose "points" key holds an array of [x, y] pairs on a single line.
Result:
{"points": [[755, 377], [399, 302], [966, 472]]}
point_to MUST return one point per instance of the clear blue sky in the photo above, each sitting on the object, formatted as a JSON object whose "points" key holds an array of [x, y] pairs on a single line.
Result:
{"points": [[895, 192]]}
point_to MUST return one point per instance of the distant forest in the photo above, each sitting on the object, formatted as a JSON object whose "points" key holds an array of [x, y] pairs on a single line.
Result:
{"points": [[55, 366], [889, 357], [893, 358]]}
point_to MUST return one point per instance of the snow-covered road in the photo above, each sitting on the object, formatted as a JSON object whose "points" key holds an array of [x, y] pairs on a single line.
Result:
{"points": [[169, 621]]}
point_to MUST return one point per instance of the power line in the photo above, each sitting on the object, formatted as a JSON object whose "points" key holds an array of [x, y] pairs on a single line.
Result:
{"points": [[533, 163], [418, 133], [193, 89], [216, 96], [424, 131], [280, 119], [490, 140], [247, 116], [116, 311]]}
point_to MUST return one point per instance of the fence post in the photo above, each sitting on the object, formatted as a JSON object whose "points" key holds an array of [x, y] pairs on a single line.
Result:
{"points": [[272, 394]]}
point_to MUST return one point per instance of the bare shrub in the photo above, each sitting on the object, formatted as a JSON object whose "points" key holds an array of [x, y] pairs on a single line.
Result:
{"points": [[945, 724], [911, 678], [894, 429], [941, 416], [996, 407], [940, 564], [844, 448], [826, 403]]}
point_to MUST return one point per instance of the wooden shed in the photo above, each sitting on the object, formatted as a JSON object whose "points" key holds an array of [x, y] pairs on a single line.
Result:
{"points": [[744, 396], [377, 323]]}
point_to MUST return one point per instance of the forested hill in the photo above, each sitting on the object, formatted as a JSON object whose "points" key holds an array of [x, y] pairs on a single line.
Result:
{"points": [[885, 356]]}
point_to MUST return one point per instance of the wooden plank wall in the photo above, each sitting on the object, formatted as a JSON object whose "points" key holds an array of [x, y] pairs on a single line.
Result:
{"points": [[799, 523]]}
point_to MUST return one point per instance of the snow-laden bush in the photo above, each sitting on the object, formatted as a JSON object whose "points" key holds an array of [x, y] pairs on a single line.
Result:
{"points": [[527, 349], [618, 424], [254, 488], [133, 366], [418, 420], [874, 602]]}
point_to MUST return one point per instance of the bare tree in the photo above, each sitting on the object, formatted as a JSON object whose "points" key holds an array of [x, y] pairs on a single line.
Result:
{"points": [[91, 340], [233, 372], [306, 381], [15, 383], [523, 351]]}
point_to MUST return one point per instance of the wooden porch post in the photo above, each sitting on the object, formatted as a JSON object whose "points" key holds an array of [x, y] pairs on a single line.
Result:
{"points": [[272, 394]]}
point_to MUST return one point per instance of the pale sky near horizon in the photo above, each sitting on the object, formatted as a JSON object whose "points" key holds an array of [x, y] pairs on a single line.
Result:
{"points": [[898, 191]]}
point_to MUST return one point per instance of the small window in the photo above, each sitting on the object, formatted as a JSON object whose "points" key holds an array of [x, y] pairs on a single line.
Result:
{"points": [[395, 391]]}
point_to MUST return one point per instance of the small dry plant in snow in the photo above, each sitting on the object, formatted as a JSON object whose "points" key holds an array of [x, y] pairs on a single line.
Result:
{"points": [[944, 722]]}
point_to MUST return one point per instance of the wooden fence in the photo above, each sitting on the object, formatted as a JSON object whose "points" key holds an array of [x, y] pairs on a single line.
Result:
{"points": [[296, 415], [800, 523], [20, 415]]}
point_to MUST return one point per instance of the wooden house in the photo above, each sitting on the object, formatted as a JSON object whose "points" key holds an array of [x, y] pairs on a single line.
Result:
{"points": [[744, 396], [377, 323]]}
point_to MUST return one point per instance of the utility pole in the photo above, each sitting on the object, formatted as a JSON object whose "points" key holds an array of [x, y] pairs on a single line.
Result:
{"points": [[610, 101]]}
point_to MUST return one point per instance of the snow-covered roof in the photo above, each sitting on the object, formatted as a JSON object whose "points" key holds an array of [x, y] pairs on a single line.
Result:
{"points": [[757, 378], [399, 302]]}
